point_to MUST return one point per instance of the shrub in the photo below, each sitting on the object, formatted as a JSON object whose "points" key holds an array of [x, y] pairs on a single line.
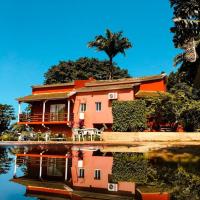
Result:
{"points": [[133, 167], [129, 115], [191, 119]]}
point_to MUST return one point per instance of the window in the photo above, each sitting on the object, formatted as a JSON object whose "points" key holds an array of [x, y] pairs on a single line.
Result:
{"points": [[97, 174], [83, 107], [81, 173], [57, 112], [98, 106]]}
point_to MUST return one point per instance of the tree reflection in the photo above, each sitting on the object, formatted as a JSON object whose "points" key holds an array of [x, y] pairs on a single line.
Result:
{"points": [[5, 161]]}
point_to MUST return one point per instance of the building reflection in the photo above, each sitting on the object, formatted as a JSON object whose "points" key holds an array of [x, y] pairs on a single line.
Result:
{"points": [[76, 172]]}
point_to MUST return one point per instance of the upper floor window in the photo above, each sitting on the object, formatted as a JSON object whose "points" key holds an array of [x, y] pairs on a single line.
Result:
{"points": [[57, 112], [97, 174], [81, 172], [57, 108], [83, 107], [98, 106]]}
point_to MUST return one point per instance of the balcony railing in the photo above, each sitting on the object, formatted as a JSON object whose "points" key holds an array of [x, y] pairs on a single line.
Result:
{"points": [[48, 117]]}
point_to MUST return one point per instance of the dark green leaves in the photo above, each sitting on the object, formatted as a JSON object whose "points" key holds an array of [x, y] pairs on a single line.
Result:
{"points": [[129, 115], [6, 115], [82, 69]]}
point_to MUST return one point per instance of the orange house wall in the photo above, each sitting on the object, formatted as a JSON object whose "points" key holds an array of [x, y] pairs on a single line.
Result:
{"points": [[91, 115], [158, 85], [155, 196], [77, 84], [52, 90]]}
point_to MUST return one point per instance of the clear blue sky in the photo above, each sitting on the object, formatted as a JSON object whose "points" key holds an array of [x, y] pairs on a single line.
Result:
{"points": [[37, 34]]}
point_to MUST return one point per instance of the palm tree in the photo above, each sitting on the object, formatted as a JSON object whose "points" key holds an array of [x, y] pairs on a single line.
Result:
{"points": [[111, 44]]}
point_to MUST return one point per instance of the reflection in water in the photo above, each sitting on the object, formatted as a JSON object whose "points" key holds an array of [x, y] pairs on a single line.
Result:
{"points": [[5, 161], [84, 172]]}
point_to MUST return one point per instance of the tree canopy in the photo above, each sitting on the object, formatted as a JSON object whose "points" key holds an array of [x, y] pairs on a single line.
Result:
{"points": [[82, 69], [112, 44], [6, 116]]}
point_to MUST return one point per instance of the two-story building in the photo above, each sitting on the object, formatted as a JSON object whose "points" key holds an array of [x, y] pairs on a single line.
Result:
{"points": [[59, 107]]}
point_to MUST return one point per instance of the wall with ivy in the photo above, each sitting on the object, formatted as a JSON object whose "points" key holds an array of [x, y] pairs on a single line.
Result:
{"points": [[129, 115]]}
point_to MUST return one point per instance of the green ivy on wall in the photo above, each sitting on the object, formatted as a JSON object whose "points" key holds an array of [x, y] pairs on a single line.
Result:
{"points": [[129, 115]]}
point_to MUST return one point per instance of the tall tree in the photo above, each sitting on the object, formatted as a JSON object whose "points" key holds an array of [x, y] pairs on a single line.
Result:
{"points": [[6, 116], [187, 37], [112, 44], [83, 68]]}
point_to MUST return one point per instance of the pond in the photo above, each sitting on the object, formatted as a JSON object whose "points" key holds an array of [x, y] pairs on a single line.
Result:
{"points": [[9, 190], [54, 172], [97, 172]]}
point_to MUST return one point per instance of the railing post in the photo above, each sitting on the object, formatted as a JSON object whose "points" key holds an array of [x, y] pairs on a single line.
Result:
{"points": [[19, 111], [40, 172], [68, 110], [66, 167], [15, 168], [43, 111]]}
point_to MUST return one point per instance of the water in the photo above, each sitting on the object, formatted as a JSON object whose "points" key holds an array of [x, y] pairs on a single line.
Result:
{"points": [[10, 190], [166, 162]]}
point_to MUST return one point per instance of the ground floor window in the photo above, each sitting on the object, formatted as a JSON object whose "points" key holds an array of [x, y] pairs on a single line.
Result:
{"points": [[81, 173], [97, 174]]}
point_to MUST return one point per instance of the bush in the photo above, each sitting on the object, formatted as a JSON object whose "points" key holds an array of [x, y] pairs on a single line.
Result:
{"points": [[191, 119], [129, 116], [133, 167]]}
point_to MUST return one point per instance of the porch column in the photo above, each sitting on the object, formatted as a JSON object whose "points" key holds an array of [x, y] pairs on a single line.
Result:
{"points": [[15, 168], [68, 110], [43, 111], [40, 173], [66, 167], [19, 111]]}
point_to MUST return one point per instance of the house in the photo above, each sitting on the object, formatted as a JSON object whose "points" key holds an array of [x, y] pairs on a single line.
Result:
{"points": [[59, 107]]}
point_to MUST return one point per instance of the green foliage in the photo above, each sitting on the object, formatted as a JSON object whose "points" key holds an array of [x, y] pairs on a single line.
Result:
{"points": [[163, 109], [82, 69], [6, 115], [180, 105], [112, 44], [129, 115], [191, 119], [185, 185], [8, 136], [133, 167]]}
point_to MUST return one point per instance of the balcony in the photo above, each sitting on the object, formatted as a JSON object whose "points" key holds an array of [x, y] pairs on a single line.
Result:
{"points": [[48, 118]]}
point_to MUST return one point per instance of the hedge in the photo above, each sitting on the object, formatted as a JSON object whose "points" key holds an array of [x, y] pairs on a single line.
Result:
{"points": [[129, 116]]}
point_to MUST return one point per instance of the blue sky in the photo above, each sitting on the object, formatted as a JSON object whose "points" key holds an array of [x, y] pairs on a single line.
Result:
{"points": [[37, 34]]}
